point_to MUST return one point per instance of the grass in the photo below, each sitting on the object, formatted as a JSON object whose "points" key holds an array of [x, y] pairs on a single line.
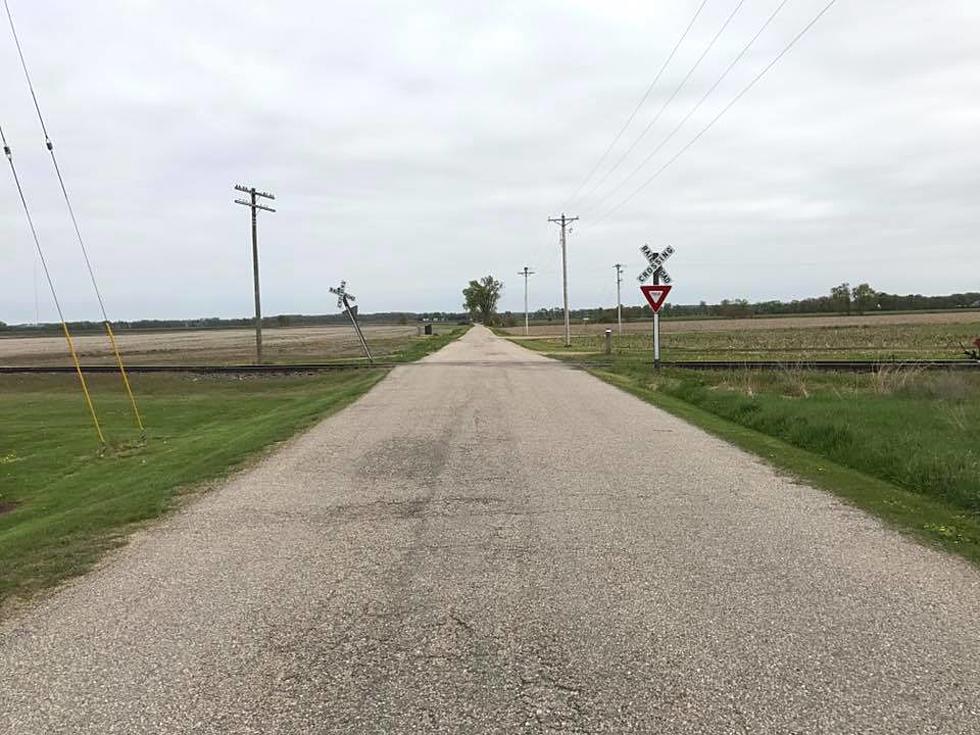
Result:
{"points": [[64, 503], [419, 347], [903, 444], [865, 342]]}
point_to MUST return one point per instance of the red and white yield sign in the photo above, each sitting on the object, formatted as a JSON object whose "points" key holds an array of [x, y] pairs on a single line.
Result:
{"points": [[656, 296]]}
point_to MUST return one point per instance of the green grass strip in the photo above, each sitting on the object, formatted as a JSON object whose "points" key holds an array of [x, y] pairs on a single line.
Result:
{"points": [[63, 503]]}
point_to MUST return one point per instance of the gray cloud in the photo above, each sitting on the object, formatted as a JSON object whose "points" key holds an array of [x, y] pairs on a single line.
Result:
{"points": [[414, 146]]}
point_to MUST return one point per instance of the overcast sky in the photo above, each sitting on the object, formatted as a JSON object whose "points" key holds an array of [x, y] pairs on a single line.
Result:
{"points": [[413, 146]]}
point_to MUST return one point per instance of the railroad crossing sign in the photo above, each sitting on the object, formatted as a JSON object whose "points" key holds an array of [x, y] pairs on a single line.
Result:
{"points": [[656, 296], [344, 301], [656, 261]]}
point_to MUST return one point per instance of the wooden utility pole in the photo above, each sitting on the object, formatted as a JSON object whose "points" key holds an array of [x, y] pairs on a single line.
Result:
{"points": [[619, 298], [255, 206], [564, 222], [525, 273]]}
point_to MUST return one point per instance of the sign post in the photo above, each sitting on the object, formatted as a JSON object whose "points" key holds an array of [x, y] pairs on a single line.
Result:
{"points": [[656, 295], [344, 300], [656, 325]]}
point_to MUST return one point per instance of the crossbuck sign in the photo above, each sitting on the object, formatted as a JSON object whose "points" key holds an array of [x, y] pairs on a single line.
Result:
{"points": [[656, 261]]}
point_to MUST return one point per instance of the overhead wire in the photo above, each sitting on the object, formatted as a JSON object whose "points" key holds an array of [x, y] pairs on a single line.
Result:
{"points": [[697, 105], [663, 107], [717, 117], [639, 105], [666, 139], [78, 233], [54, 295]]}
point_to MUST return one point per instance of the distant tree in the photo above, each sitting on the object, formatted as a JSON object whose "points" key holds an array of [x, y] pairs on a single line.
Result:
{"points": [[864, 297], [840, 296], [481, 298], [736, 308]]}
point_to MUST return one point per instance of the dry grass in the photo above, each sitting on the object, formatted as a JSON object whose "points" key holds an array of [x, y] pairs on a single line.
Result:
{"points": [[888, 380], [883, 337], [675, 326], [216, 346]]}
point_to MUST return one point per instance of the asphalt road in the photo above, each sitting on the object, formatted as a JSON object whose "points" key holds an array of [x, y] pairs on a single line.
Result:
{"points": [[502, 544]]}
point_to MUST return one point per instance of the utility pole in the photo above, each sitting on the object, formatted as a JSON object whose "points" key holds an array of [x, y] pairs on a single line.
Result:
{"points": [[619, 298], [255, 206], [564, 222], [525, 273]]}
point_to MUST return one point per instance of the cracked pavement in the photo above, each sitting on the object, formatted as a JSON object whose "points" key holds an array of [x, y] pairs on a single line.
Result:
{"points": [[493, 542]]}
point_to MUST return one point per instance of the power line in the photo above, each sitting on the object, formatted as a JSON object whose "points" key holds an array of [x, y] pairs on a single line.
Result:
{"points": [[697, 106], [663, 108], [47, 274], [717, 117], [74, 222], [639, 104]]}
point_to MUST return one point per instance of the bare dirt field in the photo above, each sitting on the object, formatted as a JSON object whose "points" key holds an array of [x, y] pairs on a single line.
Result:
{"points": [[677, 326], [874, 337], [211, 346]]}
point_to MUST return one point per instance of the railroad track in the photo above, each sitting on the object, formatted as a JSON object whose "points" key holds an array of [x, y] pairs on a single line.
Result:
{"points": [[855, 366]]}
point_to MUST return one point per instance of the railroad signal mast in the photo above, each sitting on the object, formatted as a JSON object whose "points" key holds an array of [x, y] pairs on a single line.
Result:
{"points": [[344, 301], [253, 204]]}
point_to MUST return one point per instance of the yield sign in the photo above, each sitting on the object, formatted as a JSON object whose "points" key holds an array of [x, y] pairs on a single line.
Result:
{"points": [[656, 296]]}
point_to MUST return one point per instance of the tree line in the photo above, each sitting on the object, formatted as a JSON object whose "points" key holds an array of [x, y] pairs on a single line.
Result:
{"points": [[280, 320], [482, 296], [841, 299]]}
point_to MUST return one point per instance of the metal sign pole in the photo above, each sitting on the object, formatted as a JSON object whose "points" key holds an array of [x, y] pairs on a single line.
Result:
{"points": [[656, 326], [343, 301], [656, 339], [357, 328]]}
